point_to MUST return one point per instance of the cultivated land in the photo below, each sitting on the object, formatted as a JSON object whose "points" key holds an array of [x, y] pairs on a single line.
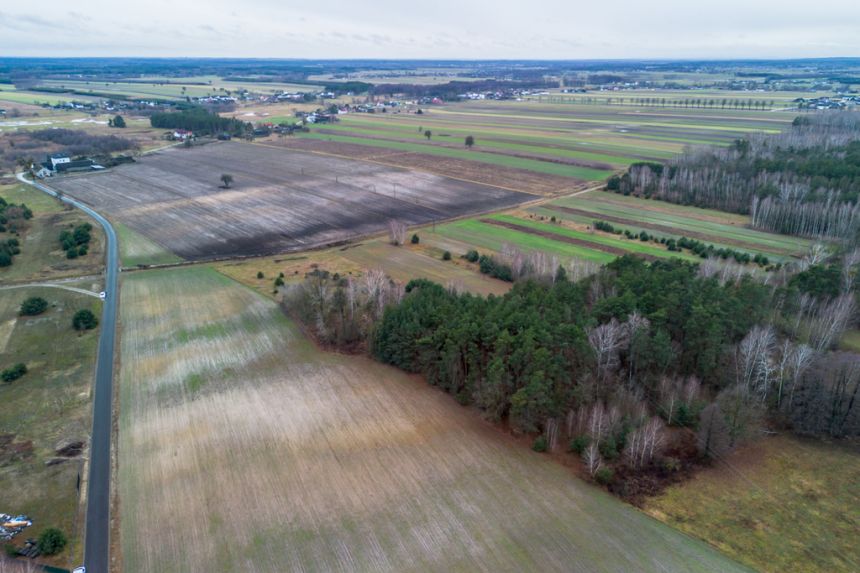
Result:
{"points": [[242, 447], [48, 406], [779, 504], [280, 200], [42, 256], [571, 233], [565, 137]]}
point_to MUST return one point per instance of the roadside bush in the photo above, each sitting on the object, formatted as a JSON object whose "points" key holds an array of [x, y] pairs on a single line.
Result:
{"points": [[52, 541], [415, 239], [84, 319], [33, 306], [446, 256], [13, 372], [540, 445], [604, 476]]}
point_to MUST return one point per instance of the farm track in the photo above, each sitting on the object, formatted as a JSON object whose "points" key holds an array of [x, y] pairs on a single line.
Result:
{"points": [[563, 239], [665, 229]]}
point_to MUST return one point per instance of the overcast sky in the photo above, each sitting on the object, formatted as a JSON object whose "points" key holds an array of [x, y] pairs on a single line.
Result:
{"points": [[434, 29]]}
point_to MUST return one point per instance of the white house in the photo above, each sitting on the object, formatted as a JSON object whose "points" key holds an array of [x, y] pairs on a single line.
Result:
{"points": [[58, 159]]}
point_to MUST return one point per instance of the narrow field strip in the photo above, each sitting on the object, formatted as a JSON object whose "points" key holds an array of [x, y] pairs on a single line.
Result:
{"points": [[668, 229]]}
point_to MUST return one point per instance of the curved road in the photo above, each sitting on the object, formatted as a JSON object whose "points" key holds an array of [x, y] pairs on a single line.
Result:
{"points": [[97, 536], [52, 285]]}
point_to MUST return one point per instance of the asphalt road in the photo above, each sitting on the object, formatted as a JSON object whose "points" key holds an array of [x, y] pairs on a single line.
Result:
{"points": [[97, 538]]}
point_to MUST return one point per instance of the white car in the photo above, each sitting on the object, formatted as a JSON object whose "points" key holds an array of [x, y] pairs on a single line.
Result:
{"points": [[80, 569], [102, 296]]}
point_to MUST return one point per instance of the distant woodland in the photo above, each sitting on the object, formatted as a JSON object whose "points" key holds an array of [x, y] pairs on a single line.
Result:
{"points": [[804, 181]]}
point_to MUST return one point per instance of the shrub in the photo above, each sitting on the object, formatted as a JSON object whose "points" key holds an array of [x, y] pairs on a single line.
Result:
{"points": [[579, 443], [52, 541], [260, 275], [10, 550], [279, 282], [604, 475], [609, 448], [446, 256], [472, 256], [84, 319], [539, 445], [33, 306], [13, 372], [415, 239], [72, 253]]}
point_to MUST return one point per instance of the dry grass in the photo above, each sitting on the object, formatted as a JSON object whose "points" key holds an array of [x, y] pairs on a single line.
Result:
{"points": [[780, 504], [243, 448], [402, 264]]}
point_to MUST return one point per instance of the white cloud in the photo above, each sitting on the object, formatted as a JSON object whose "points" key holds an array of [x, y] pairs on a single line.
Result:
{"points": [[471, 29]]}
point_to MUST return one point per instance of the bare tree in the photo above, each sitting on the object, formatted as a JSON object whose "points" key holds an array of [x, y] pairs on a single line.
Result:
{"points": [[830, 320], [755, 360], [606, 341], [396, 232], [645, 442], [592, 459]]}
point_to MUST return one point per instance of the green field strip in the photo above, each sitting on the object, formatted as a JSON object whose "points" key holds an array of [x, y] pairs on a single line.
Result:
{"points": [[782, 243], [486, 142], [630, 245], [612, 121], [583, 173], [636, 229], [565, 139], [484, 236]]}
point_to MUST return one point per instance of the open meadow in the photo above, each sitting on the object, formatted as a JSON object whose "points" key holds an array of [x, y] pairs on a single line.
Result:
{"points": [[243, 447], [279, 200], [46, 409], [778, 504], [42, 256]]}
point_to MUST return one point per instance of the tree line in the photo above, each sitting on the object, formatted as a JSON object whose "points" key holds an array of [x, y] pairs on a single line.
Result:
{"points": [[200, 121], [804, 181], [605, 365]]}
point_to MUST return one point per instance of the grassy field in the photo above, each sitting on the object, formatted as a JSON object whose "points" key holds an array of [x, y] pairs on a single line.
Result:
{"points": [[780, 504], [42, 256], [402, 264], [48, 405], [243, 447], [135, 249]]}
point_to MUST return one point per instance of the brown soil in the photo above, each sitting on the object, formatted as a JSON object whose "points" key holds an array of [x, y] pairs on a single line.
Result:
{"points": [[561, 238], [495, 175]]}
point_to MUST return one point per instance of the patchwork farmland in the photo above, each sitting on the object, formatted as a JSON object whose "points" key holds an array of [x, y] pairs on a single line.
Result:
{"points": [[280, 200], [564, 138], [565, 227], [243, 447]]}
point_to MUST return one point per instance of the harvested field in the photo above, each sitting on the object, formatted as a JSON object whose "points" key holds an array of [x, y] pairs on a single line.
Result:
{"points": [[244, 448], [497, 175], [280, 200]]}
